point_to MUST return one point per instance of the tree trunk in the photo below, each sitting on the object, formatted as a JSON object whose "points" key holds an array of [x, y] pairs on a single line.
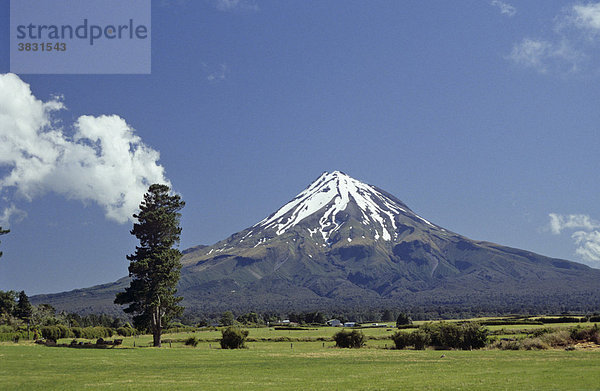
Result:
{"points": [[156, 327], [157, 343]]}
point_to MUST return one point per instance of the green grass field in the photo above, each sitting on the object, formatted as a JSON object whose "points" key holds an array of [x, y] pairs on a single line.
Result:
{"points": [[291, 366]]}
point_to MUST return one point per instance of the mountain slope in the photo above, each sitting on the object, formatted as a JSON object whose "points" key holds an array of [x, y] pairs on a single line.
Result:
{"points": [[342, 243]]}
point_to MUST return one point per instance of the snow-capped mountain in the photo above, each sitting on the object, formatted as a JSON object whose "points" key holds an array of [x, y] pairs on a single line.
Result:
{"points": [[342, 240], [331, 197], [342, 243], [334, 210]]}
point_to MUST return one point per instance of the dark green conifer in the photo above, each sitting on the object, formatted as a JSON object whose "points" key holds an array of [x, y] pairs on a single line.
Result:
{"points": [[155, 266], [23, 309]]}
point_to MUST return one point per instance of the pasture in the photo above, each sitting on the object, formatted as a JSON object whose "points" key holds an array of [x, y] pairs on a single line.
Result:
{"points": [[290, 360]]}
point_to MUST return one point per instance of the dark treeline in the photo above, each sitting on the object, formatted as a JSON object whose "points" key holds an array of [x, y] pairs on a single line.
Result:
{"points": [[18, 315], [21, 320], [387, 316]]}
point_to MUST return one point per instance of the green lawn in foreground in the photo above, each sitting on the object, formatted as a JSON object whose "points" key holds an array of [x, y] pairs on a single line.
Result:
{"points": [[274, 366]]}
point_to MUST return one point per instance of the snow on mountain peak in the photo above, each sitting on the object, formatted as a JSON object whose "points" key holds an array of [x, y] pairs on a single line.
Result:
{"points": [[332, 192]]}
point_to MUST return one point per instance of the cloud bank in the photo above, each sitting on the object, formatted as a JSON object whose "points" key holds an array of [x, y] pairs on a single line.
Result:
{"points": [[586, 236], [572, 44], [97, 159]]}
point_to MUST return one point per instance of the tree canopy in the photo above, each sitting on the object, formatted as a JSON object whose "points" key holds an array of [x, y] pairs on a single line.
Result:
{"points": [[23, 309], [155, 266]]}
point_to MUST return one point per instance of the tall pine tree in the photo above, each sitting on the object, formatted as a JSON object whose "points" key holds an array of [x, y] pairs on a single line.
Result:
{"points": [[155, 266]]}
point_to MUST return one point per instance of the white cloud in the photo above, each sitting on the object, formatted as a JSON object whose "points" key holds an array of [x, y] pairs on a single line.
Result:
{"points": [[544, 56], [588, 246], [572, 44], [586, 237], [11, 213], [505, 8], [103, 161], [232, 5], [574, 221], [586, 16], [531, 53]]}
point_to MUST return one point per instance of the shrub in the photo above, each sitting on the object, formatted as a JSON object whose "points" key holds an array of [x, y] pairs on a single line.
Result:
{"points": [[6, 329], [192, 341], [507, 344], [96, 332], [539, 332], [125, 331], [534, 344], [420, 339], [54, 333], [443, 335], [78, 332], [401, 339], [50, 333], [473, 336], [557, 338], [585, 334], [233, 338], [349, 339]]}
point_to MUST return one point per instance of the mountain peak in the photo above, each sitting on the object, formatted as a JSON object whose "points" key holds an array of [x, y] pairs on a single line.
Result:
{"points": [[342, 243], [335, 197]]}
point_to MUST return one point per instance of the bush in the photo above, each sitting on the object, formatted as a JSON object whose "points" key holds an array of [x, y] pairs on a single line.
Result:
{"points": [[96, 332], [443, 335], [77, 332], [589, 334], [233, 338], [420, 339], [125, 331], [6, 329], [507, 344], [401, 340], [349, 339], [54, 333], [539, 332], [192, 341], [534, 344], [473, 336], [558, 338]]}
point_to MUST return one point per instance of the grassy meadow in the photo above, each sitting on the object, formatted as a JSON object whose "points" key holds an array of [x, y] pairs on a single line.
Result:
{"points": [[291, 360]]}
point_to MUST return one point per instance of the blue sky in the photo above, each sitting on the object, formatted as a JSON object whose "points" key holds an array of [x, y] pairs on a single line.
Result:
{"points": [[482, 116]]}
